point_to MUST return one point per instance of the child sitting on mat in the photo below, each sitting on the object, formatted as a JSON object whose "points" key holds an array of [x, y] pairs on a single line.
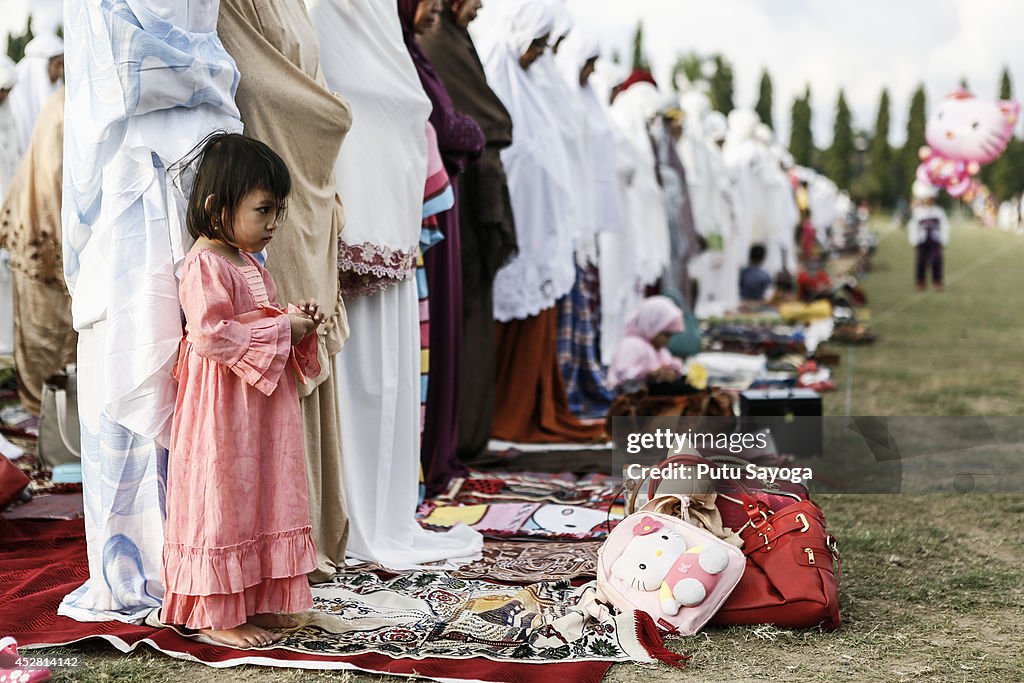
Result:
{"points": [[640, 359]]}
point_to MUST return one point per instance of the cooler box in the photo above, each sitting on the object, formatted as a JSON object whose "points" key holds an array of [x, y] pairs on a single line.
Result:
{"points": [[792, 415]]}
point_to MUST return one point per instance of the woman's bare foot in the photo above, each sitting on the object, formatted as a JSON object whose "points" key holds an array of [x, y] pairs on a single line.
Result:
{"points": [[244, 636], [273, 621]]}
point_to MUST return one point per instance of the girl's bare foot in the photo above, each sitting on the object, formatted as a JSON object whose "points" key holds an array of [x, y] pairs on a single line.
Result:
{"points": [[273, 621], [244, 636]]}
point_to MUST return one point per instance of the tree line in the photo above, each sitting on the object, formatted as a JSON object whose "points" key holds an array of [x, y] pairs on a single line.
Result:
{"points": [[16, 42]]}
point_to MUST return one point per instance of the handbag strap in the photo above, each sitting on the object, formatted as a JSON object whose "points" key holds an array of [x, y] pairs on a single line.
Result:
{"points": [[756, 510], [659, 503], [833, 548], [61, 401]]}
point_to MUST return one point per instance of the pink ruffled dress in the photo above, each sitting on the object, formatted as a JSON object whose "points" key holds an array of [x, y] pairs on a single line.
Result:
{"points": [[237, 538]]}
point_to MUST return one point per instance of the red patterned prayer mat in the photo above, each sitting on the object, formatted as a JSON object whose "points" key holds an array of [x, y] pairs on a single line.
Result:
{"points": [[428, 624]]}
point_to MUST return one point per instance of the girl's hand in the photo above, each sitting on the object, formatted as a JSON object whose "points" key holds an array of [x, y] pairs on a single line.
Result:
{"points": [[312, 309], [302, 325]]}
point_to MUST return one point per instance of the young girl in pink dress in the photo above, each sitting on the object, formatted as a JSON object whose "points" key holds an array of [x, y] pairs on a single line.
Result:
{"points": [[237, 540]]}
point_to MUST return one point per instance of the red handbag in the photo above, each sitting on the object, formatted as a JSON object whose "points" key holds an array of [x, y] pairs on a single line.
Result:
{"points": [[12, 481], [777, 495], [792, 574]]}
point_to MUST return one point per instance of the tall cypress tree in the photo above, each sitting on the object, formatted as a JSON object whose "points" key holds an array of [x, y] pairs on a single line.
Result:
{"points": [[915, 139], [1004, 174], [639, 59], [880, 171], [1005, 87], [801, 139], [722, 86], [16, 43], [688, 66], [839, 158], [764, 100]]}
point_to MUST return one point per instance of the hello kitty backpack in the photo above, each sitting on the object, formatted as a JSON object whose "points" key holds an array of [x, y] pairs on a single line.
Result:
{"points": [[660, 564]]}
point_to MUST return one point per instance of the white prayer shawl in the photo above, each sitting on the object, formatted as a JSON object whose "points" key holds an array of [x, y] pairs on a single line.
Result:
{"points": [[381, 174], [536, 165], [727, 295], [600, 163], [715, 127], [9, 141], [382, 168], [717, 270], [569, 117], [695, 154], [635, 255], [744, 159], [562, 21], [34, 86], [633, 110], [147, 80], [824, 205], [607, 74], [621, 292], [8, 73], [782, 214], [8, 164]]}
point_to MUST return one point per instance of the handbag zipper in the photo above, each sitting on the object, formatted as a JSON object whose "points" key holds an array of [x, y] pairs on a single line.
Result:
{"points": [[810, 555]]}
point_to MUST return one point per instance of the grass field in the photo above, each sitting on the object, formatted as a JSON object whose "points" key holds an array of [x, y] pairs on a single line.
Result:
{"points": [[931, 585]]}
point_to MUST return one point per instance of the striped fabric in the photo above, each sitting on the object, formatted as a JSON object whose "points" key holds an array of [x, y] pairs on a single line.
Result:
{"points": [[421, 287], [585, 381], [438, 196]]}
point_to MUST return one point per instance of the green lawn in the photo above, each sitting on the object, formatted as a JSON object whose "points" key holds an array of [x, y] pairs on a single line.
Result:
{"points": [[931, 585], [956, 352]]}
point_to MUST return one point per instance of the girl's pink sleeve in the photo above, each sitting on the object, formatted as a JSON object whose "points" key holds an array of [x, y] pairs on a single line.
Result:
{"points": [[257, 351], [304, 359]]}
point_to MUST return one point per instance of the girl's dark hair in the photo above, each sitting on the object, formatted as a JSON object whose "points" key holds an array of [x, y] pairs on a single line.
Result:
{"points": [[230, 166]]}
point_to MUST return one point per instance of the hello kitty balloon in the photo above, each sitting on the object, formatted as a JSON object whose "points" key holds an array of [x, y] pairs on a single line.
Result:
{"points": [[964, 133]]}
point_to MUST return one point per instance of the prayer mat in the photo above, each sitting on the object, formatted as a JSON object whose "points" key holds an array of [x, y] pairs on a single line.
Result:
{"points": [[523, 562], [49, 506], [593, 490], [16, 421], [524, 520], [41, 479], [516, 562], [427, 624], [433, 614]]}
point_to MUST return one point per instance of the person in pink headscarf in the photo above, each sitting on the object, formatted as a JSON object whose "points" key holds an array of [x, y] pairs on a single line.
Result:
{"points": [[640, 358]]}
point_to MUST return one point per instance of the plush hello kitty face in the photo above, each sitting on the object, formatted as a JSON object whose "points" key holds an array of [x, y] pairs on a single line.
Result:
{"points": [[650, 554], [969, 129]]}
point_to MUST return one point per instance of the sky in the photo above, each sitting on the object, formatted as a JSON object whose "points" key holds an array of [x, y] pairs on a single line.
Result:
{"points": [[860, 46], [14, 14]]}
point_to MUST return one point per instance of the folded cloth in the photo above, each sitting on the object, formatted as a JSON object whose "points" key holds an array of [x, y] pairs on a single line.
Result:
{"points": [[13, 668]]}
